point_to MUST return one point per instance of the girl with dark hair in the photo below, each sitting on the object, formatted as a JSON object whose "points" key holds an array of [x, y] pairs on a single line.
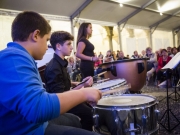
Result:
{"points": [[85, 50]]}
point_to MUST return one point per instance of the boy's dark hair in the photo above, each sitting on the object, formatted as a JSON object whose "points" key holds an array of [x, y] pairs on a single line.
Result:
{"points": [[26, 23], [60, 37]]}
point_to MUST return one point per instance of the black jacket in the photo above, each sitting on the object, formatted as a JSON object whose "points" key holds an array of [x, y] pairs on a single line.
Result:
{"points": [[57, 79]]}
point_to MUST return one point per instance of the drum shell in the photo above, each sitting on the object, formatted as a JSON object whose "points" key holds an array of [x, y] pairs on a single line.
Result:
{"points": [[128, 69], [125, 116]]}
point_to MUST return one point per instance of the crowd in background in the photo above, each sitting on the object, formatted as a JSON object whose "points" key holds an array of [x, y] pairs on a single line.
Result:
{"points": [[156, 61]]}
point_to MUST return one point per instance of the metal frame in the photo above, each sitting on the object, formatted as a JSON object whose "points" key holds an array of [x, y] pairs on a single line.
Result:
{"points": [[177, 28], [135, 12], [119, 36], [174, 42], [136, 7], [75, 14], [163, 20], [78, 11]]}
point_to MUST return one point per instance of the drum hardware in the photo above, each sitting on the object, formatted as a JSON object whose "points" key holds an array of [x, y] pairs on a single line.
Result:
{"points": [[133, 114], [168, 110], [112, 69], [117, 121], [96, 118], [133, 70], [144, 123], [140, 67], [133, 130], [99, 74], [157, 113]]}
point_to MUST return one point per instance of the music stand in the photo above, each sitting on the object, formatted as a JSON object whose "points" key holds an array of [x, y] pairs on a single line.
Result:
{"points": [[172, 64], [176, 85], [168, 110]]}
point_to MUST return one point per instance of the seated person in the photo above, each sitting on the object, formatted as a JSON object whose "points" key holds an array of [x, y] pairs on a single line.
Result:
{"points": [[169, 50], [151, 64], [135, 56], [163, 60], [174, 51], [158, 53], [108, 57], [71, 66], [57, 79], [77, 73], [117, 54], [97, 68], [121, 56], [114, 55], [143, 54], [23, 100], [98, 62], [100, 56]]}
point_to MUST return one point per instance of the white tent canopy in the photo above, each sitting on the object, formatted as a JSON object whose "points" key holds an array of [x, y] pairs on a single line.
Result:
{"points": [[140, 13]]}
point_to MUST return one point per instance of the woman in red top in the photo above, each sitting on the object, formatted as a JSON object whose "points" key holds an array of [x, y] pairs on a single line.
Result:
{"points": [[163, 60]]}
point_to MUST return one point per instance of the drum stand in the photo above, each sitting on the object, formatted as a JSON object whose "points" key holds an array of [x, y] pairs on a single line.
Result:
{"points": [[166, 124]]}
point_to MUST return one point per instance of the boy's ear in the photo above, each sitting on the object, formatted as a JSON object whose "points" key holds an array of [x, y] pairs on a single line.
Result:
{"points": [[58, 46], [35, 35]]}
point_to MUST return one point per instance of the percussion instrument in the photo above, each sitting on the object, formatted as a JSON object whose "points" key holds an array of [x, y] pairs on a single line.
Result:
{"points": [[109, 85], [133, 114], [87, 79], [132, 70], [117, 90]]}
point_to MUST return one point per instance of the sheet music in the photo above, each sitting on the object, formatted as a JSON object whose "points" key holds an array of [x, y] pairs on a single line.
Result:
{"points": [[173, 62]]}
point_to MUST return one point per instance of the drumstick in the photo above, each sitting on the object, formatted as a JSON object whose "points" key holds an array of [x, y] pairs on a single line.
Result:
{"points": [[99, 74], [88, 79], [116, 89]]}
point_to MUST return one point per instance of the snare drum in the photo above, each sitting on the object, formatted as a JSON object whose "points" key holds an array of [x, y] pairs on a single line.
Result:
{"points": [[133, 114], [109, 85]]}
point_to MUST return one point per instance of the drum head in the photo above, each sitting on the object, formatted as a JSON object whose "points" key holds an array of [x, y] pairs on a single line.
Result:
{"points": [[126, 101]]}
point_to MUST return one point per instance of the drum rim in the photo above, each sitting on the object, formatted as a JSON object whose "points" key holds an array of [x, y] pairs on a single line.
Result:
{"points": [[126, 107], [124, 60]]}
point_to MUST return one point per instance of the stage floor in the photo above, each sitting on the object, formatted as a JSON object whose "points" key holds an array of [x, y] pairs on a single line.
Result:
{"points": [[160, 93]]}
